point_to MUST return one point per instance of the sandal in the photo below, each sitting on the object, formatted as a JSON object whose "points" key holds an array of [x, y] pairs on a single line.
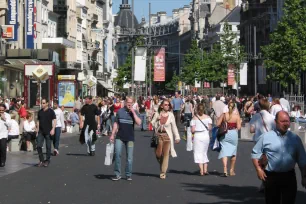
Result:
{"points": [[224, 175], [162, 176], [206, 173], [232, 173]]}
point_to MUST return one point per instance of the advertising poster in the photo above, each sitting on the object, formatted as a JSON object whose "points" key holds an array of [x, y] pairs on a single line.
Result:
{"points": [[66, 93], [140, 64], [231, 75], [159, 65], [12, 18], [29, 24]]}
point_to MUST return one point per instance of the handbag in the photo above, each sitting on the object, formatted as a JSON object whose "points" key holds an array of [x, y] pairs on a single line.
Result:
{"points": [[222, 129], [155, 138]]}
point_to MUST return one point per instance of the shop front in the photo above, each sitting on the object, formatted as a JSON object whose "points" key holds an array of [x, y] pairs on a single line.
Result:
{"points": [[11, 82]]}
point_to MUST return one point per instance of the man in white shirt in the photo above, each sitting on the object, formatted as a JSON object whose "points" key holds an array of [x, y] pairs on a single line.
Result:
{"points": [[218, 107], [263, 121], [284, 103], [4, 128], [60, 126]]}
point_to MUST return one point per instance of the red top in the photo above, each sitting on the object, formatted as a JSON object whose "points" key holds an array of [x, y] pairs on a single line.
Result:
{"points": [[163, 121], [22, 112], [231, 126], [116, 107], [148, 104]]}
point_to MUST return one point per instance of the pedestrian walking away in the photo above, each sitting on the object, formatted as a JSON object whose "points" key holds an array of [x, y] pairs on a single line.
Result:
{"points": [[229, 141], [5, 125], [46, 123], [177, 104], [201, 124], [90, 125], [125, 120], [274, 157], [167, 133], [60, 126]]}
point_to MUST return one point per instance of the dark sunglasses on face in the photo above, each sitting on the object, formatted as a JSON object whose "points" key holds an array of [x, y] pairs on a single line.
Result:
{"points": [[166, 104]]}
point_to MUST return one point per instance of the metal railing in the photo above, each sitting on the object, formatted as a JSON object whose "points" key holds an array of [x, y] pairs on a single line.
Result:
{"points": [[296, 100]]}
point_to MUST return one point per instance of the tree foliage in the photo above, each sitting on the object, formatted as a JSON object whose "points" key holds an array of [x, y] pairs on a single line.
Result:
{"points": [[192, 64], [171, 85], [286, 54]]}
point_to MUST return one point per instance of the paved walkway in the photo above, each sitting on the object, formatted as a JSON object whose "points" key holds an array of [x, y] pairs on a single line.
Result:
{"points": [[75, 178]]}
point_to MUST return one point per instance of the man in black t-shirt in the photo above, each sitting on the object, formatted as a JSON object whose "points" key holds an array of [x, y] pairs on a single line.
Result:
{"points": [[90, 125], [46, 123]]}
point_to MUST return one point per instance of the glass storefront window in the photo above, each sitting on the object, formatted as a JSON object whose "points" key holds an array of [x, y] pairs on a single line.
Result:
{"points": [[3, 82]]}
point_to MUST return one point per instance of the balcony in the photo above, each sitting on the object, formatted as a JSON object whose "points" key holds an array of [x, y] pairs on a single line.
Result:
{"points": [[95, 18], [59, 42], [60, 8], [79, 13], [70, 65]]}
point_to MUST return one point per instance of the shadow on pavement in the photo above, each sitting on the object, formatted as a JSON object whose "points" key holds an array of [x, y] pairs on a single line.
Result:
{"points": [[146, 174], [183, 172], [102, 176], [229, 194], [29, 164], [77, 154]]}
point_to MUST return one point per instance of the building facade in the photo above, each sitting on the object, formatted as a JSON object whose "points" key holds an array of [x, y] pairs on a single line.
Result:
{"points": [[67, 33]]}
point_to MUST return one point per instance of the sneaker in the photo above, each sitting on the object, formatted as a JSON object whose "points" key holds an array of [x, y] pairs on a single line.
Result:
{"points": [[46, 163], [55, 152], [129, 178], [40, 164], [117, 178]]}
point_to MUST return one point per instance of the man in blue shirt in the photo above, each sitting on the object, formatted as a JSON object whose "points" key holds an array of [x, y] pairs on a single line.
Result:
{"points": [[124, 128], [275, 156], [177, 104]]}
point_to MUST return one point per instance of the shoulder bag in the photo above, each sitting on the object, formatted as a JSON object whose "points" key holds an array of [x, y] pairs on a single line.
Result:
{"points": [[222, 129], [202, 123]]}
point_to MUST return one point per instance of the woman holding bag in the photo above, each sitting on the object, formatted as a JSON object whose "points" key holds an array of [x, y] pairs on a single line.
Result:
{"points": [[201, 124], [167, 133], [229, 141]]}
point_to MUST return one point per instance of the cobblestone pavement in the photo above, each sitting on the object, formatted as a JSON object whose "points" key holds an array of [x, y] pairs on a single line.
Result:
{"points": [[75, 178]]}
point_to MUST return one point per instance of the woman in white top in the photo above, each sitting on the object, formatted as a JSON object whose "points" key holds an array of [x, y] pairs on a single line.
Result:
{"points": [[276, 107], [29, 129], [13, 131], [201, 124]]}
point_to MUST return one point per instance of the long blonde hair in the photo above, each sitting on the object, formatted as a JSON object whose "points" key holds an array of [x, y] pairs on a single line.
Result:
{"points": [[231, 107]]}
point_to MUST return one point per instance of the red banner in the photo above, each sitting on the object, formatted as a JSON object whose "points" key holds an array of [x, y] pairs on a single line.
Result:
{"points": [[206, 85], [159, 65], [231, 75]]}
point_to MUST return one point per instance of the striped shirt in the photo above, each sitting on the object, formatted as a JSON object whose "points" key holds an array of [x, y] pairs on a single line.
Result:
{"points": [[126, 122]]}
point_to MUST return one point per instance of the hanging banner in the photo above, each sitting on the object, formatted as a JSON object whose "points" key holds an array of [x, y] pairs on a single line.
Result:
{"points": [[29, 24], [140, 64], [231, 75], [206, 85], [243, 74], [10, 32], [197, 84], [159, 65], [262, 75]]}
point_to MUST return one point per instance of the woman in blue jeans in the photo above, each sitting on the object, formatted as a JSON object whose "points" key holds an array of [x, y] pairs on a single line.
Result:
{"points": [[142, 114]]}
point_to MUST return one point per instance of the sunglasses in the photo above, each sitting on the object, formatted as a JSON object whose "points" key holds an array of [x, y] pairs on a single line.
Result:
{"points": [[166, 104], [43, 103]]}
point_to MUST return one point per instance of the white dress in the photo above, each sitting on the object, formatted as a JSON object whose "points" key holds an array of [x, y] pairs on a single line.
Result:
{"points": [[201, 140]]}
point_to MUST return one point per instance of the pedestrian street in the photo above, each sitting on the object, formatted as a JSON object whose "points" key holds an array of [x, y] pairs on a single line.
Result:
{"points": [[75, 178]]}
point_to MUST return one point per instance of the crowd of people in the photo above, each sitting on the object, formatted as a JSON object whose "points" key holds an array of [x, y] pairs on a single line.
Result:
{"points": [[275, 153]]}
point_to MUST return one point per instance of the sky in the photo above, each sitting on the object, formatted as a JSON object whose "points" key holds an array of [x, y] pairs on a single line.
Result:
{"points": [[141, 7]]}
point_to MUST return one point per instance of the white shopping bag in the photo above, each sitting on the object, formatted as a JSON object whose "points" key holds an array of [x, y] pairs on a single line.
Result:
{"points": [[109, 154], [69, 129], [189, 146]]}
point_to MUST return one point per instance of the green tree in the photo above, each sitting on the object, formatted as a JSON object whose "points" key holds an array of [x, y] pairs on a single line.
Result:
{"points": [[172, 85], [286, 54], [192, 64], [215, 65]]}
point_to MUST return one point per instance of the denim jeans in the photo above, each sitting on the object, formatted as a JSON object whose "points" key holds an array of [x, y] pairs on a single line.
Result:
{"points": [[143, 118], [40, 143], [129, 148], [56, 137]]}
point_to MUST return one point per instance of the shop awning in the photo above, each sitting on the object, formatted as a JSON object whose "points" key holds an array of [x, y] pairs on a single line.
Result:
{"points": [[105, 85], [19, 63]]}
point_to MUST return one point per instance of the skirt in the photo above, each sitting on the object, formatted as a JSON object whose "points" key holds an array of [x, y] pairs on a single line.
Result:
{"points": [[200, 147], [229, 144]]}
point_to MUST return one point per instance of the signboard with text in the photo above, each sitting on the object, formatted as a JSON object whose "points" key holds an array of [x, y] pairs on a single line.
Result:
{"points": [[29, 24], [231, 75], [159, 65], [10, 32]]}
